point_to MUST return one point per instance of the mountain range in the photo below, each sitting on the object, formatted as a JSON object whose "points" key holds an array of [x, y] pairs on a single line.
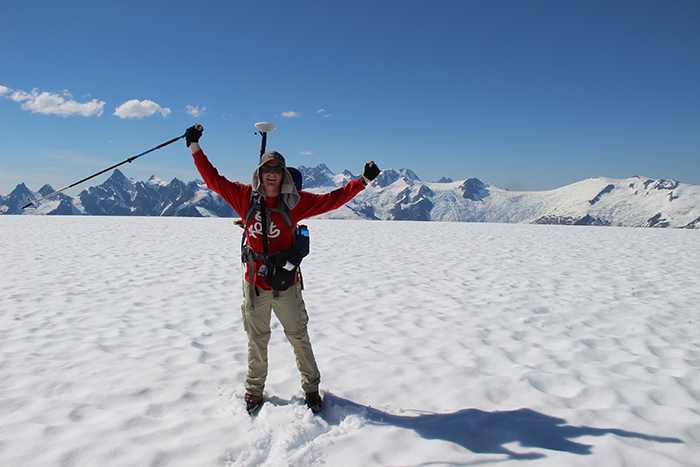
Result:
{"points": [[398, 195]]}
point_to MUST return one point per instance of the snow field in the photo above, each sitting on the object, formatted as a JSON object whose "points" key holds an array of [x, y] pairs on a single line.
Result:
{"points": [[438, 343]]}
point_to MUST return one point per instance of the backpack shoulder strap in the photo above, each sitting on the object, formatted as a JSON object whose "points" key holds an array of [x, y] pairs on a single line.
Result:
{"points": [[284, 212], [247, 253], [253, 206]]}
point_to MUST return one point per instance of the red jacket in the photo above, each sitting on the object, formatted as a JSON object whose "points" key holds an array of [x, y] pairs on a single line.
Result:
{"points": [[279, 235]]}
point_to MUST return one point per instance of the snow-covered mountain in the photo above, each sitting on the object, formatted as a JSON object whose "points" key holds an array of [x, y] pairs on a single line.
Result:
{"points": [[400, 195], [633, 202], [122, 196]]}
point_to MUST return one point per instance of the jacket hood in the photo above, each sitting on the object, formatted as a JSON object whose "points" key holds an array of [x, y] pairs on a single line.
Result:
{"points": [[288, 189]]}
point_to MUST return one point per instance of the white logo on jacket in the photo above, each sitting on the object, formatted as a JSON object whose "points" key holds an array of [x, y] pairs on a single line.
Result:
{"points": [[256, 228]]}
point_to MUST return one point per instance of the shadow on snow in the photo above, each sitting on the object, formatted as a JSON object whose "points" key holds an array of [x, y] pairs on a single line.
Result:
{"points": [[486, 432]]}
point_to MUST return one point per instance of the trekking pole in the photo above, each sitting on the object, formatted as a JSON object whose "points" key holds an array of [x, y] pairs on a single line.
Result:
{"points": [[129, 160], [264, 128]]}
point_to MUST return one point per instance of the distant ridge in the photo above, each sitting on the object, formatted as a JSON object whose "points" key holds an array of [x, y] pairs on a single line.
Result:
{"points": [[399, 194]]}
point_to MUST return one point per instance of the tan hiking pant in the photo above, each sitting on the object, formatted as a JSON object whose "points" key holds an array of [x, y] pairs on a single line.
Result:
{"points": [[291, 312]]}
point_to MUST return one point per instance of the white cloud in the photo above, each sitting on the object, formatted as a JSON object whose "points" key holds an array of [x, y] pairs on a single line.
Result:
{"points": [[291, 114], [139, 109], [195, 111], [320, 111], [48, 103], [19, 96], [306, 153]]}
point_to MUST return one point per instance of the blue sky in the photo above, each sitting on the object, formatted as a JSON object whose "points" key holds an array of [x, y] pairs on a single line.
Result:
{"points": [[528, 95]]}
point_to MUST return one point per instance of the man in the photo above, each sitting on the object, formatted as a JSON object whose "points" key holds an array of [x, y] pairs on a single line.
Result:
{"points": [[267, 236]]}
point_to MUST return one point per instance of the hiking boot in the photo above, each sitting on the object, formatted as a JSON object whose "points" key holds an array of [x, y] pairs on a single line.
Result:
{"points": [[253, 403], [314, 401]]}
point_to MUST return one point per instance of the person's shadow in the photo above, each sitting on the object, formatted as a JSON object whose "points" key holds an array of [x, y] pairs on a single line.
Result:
{"points": [[485, 432]]}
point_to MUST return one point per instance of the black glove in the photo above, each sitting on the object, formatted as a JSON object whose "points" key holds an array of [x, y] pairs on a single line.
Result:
{"points": [[371, 171], [193, 134]]}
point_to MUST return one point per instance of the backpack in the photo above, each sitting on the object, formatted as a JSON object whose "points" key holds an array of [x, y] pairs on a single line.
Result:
{"points": [[280, 268]]}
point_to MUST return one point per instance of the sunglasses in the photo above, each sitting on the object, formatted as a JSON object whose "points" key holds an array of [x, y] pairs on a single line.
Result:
{"points": [[269, 168]]}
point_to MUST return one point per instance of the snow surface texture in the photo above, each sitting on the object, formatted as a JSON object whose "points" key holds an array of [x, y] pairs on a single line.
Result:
{"points": [[439, 344]]}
